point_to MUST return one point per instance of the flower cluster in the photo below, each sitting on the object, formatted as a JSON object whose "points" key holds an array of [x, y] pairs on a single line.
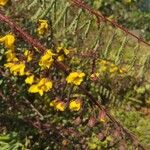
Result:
{"points": [[58, 105], [16, 68], [46, 60], [20, 64], [74, 105], [108, 67], [40, 86]]}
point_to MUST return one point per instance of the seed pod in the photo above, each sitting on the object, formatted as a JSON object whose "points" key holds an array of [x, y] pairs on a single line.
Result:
{"points": [[65, 142], [91, 122], [122, 145], [116, 133], [77, 121], [101, 136]]}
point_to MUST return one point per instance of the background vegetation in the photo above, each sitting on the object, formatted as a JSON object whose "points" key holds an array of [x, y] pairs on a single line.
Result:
{"points": [[133, 14]]}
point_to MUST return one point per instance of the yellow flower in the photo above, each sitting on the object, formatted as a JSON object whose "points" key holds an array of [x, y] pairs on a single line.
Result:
{"points": [[44, 85], [53, 103], [103, 68], [75, 105], [75, 78], [61, 49], [123, 70], [112, 65], [28, 55], [8, 65], [10, 56], [8, 41], [60, 106], [16, 68], [29, 80], [66, 51], [3, 2], [46, 60], [33, 88], [103, 62], [28, 73], [43, 27], [113, 69], [62, 52], [61, 58]]}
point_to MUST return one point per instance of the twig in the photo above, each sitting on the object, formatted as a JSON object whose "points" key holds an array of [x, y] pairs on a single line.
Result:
{"points": [[34, 109]]}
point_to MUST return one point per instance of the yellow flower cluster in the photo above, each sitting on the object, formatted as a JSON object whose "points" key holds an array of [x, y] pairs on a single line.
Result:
{"points": [[106, 66], [46, 60], [75, 78], [43, 85], [18, 67], [43, 27], [15, 66], [74, 105], [3, 2]]}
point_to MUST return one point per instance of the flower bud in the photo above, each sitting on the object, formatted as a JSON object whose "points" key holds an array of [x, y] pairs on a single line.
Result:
{"points": [[102, 116], [101, 136]]}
